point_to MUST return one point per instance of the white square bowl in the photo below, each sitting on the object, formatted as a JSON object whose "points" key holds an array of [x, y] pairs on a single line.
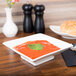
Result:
{"points": [[61, 44]]}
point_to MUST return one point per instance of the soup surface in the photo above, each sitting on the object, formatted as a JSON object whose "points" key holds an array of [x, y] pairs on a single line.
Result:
{"points": [[35, 49]]}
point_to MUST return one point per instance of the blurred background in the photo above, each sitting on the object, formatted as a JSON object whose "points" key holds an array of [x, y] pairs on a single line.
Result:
{"points": [[57, 11]]}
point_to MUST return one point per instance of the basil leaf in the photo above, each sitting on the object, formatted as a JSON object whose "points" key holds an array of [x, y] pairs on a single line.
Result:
{"points": [[35, 46]]}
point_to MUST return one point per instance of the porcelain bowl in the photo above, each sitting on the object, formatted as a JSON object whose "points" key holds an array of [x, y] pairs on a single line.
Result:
{"points": [[56, 29]]}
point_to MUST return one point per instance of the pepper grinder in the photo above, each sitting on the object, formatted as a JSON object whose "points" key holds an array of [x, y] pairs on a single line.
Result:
{"points": [[28, 23], [39, 26]]}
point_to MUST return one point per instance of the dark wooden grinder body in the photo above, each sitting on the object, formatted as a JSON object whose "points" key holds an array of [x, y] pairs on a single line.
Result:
{"points": [[28, 23], [39, 26]]}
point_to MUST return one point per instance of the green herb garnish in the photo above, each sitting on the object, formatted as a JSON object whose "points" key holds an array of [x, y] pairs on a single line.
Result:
{"points": [[35, 46]]}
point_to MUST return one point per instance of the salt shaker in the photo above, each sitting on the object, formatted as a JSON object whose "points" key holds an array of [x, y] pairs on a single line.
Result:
{"points": [[28, 23], [39, 26]]}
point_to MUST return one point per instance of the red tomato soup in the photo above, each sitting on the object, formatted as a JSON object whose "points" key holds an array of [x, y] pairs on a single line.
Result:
{"points": [[33, 54]]}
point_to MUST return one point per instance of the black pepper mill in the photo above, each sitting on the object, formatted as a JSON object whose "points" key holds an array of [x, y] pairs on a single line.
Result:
{"points": [[39, 21], [28, 23]]}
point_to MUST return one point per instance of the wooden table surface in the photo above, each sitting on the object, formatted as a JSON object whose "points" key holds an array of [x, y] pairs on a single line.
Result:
{"points": [[12, 65]]}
